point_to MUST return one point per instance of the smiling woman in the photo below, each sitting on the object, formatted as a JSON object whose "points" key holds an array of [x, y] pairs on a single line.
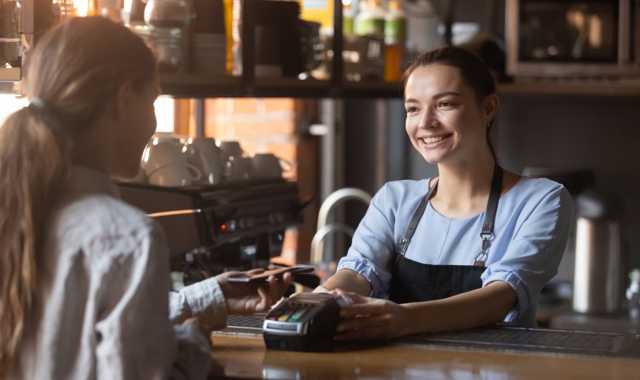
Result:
{"points": [[470, 247]]}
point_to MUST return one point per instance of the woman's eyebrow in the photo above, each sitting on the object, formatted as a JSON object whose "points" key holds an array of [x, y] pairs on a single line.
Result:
{"points": [[447, 93], [436, 96]]}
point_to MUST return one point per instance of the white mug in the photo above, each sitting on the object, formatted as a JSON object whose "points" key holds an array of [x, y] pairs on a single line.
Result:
{"points": [[175, 174], [230, 148], [204, 154], [268, 165], [239, 168], [164, 162], [160, 152]]}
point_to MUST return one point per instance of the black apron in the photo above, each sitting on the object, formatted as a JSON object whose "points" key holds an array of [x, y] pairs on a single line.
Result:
{"points": [[412, 281]]}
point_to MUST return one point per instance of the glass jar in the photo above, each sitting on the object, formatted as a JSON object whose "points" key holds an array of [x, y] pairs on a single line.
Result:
{"points": [[167, 14], [166, 22]]}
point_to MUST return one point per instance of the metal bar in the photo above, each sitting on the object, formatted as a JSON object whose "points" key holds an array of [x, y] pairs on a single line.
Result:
{"points": [[448, 22], [248, 25], [337, 76], [174, 213], [199, 116]]}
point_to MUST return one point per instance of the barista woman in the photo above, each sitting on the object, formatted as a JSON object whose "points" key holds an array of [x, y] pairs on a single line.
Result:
{"points": [[470, 247], [83, 276]]}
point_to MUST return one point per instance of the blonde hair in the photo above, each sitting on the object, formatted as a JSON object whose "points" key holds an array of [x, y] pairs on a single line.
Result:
{"points": [[72, 73]]}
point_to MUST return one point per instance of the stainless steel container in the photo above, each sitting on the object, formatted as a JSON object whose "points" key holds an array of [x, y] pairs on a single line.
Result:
{"points": [[599, 270]]}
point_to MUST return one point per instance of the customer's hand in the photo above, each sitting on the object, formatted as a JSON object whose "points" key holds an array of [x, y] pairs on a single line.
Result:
{"points": [[248, 298], [371, 318]]}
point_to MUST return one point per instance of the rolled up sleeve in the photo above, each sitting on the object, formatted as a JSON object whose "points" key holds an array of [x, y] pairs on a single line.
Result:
{"points": [[372, 246], [203, 300], [534, 253]]}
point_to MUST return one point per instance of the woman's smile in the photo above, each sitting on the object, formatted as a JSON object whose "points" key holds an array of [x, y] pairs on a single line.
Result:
{"points": [[431, 142]]}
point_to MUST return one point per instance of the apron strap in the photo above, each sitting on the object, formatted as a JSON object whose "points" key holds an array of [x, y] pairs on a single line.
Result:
{"points": [[415, 219], [490, 217]]}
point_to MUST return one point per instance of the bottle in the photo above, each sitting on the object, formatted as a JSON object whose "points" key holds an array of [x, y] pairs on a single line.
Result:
{"points": [[347, 18], [93, 9], [228, 32], [167, 21], [423, 34], [236, 37], [395, 32], [132, 12], [110, 9], [370, 20], [633, 295]]}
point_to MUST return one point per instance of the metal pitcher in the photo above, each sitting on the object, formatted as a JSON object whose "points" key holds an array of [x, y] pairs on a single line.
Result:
{"points": [[599, 269]]}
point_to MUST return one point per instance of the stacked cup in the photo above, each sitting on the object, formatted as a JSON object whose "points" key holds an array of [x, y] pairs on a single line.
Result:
{"points": [[165, 163]]}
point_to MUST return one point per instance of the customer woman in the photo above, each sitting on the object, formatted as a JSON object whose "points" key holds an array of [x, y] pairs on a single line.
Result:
{"points": [[470, 247], [83, 276]]}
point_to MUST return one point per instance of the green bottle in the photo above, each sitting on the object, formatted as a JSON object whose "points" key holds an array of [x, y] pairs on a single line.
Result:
{"points": [[370, 19]]}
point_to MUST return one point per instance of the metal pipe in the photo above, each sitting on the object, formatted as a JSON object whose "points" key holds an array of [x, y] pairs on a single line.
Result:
{"points": [[338, 196], [317, 248]]}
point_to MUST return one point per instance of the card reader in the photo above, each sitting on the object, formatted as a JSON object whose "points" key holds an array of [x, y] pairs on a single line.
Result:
{"points": [[303, 322]]}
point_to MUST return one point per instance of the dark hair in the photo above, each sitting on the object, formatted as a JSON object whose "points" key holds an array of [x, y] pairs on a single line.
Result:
{"points": [[474, 71]]}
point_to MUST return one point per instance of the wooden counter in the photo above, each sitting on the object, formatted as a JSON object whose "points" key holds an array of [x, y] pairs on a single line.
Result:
{"points": [[245, 357]]}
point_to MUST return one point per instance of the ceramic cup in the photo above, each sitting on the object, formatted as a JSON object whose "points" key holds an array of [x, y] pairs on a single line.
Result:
{"points": [[205, 154], [175, 174], [230, 149], [164, 162], [267, 165], [239, 168]]}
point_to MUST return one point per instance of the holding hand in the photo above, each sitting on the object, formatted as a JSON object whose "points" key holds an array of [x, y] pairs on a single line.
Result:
{"points": [[371, 318], [249, 298]]}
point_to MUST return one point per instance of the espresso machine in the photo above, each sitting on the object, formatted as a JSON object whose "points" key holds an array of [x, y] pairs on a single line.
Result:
{"points": [[215, 228]]}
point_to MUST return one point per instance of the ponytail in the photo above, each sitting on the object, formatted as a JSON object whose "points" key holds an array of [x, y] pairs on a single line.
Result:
{"points": [[32, 163]]}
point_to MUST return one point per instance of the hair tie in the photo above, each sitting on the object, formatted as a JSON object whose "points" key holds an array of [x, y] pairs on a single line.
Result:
{"points": [[38, 104], [48, 114]]}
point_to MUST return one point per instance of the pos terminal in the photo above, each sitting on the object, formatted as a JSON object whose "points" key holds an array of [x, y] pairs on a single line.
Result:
{"points": [[303, 322]]}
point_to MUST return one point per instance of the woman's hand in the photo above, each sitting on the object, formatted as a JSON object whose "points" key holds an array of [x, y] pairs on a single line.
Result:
{"points": [[248, 298], [371, 318]]}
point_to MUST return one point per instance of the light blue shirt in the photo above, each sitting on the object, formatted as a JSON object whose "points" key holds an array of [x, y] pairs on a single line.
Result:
{"points": [[531, 229]]}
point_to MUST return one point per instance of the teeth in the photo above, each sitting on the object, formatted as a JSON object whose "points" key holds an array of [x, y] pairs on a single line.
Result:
{"points": [[432, 140]]}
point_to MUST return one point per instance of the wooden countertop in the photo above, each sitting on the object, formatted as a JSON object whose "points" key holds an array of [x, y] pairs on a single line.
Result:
{"points": [[245, 357]]}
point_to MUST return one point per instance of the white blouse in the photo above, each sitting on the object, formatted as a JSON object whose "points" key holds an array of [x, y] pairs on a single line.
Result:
{"points": [[101, 308]]}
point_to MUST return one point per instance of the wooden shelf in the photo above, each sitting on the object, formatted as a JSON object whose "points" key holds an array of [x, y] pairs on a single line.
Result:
{"points": [[200, 86], [197, 86], [583, 88]]}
